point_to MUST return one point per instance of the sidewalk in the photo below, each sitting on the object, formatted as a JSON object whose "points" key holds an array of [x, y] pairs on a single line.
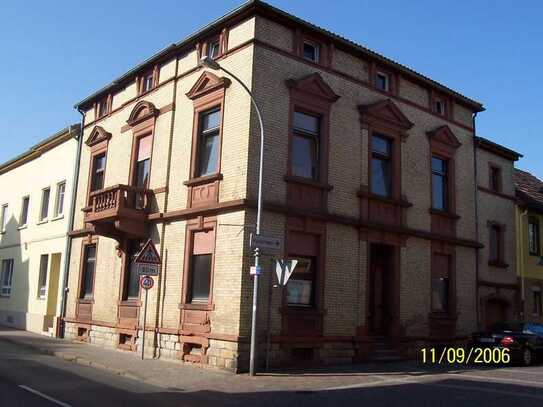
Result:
{"points": [[176, 375]]}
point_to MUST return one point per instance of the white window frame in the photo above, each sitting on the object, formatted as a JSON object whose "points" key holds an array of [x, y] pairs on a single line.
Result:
{"points": [[5, 290], [4, 218], [387, 80], [26, 197], [42, 289], [58, 213], [315, 46], [44, 218]]}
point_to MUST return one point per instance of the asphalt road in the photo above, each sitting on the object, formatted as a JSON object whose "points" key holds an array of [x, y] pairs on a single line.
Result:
{"points": [[28, 378]]}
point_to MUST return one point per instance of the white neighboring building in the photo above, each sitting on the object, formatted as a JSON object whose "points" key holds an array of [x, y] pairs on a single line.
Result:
{"points": [[35, 205]]}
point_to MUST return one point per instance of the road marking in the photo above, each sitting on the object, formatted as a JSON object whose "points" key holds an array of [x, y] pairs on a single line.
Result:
{"points": [[490, 379], [483, 389], [380, 382], [45, 396]]}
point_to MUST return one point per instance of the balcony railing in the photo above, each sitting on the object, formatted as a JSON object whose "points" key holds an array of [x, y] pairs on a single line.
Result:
{"points": [[118, 209]]}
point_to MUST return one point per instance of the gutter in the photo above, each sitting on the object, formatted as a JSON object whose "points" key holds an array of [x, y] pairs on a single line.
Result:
{"points": [[476, 193], [68, 249]]}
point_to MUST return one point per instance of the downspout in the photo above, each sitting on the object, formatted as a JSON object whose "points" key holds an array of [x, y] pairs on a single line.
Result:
{"points": [[520, 240], [476, 196], [68, 249], [163, 251]]}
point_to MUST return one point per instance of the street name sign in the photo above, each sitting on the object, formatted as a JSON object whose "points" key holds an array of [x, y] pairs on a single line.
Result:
{"points": [[266, 243]]}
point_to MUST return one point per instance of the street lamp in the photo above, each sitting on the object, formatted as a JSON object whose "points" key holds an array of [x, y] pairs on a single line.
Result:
{"points": [[212, 64]]}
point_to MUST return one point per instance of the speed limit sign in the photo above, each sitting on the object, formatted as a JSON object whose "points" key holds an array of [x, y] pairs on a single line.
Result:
{"points": [[147, 282]]}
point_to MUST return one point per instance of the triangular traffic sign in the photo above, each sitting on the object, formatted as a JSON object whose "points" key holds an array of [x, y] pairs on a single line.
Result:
{"points": [[148, 254]]}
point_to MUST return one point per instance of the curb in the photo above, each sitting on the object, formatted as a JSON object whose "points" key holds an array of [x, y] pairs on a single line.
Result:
{"points": [[69, 357]]}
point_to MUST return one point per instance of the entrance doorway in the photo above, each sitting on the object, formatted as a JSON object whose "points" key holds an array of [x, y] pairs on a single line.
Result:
{"points": [[381, 289]]}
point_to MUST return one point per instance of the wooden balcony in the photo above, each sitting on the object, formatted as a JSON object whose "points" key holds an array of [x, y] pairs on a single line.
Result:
{"points": [[119, 212]]}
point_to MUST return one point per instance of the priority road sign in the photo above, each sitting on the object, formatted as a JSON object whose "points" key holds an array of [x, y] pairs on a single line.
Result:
{"points": [[284, 269]]}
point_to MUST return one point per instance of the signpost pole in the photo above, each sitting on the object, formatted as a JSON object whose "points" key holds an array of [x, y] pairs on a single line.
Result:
{"points": [[144, 320]]}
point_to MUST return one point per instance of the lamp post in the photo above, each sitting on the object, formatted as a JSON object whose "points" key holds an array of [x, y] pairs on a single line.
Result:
{"points": [[212, 64]]}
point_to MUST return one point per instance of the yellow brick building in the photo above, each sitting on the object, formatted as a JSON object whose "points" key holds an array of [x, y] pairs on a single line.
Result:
{"points": [[369, 179]]}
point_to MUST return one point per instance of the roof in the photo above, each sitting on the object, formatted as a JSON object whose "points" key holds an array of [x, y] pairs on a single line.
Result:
{"points": [[255, 7], [37, 150], [497, 149], [529, 189]]}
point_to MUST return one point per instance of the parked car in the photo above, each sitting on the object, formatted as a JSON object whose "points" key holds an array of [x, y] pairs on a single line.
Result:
{"points": [[524, 339]]}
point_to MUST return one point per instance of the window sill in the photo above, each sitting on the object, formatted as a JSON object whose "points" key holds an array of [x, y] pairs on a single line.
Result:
{"points": [[445, 214], [86, 300], [399, 202], [535, 254], [22, 227], [5, 296], [307, 181], [59, 217], [203, 180], [40, 298], [196, 306], [43, 221], [498, 264], [136, 302]]}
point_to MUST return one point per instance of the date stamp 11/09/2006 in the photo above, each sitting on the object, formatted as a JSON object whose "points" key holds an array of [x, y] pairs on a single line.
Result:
{"points": [[465, 356]]}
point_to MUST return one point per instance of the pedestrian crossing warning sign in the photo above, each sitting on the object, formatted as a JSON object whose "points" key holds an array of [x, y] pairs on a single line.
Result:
{"points": [[148, 254]]}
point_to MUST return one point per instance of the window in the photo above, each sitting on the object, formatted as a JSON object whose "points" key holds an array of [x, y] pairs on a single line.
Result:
{"points": [[495, 179], [440, 107], [536, 299], [382, 81], [44, 210], [132, 278], [440, 283], [208, 148], [201, 265], [142, 168], [201, 277], [6, 277], [42, 281], [440, 188], [89, 266], [148, 82], [305, 146], [381, 165], [213, 49], [4, 218], [495, 244], [533, 236], [59, 200], [311, 51], [301, 285], [98, 172], [102, 108], [23, 218]]}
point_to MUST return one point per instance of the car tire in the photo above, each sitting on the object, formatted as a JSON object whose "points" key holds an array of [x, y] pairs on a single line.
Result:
{"points": [[527, 357]]}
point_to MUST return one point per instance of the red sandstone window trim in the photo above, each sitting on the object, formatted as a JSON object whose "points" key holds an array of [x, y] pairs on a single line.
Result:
{"points": [[200, 225]]}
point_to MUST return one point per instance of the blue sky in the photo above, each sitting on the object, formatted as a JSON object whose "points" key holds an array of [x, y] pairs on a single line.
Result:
{"points": [[55, 55]]}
